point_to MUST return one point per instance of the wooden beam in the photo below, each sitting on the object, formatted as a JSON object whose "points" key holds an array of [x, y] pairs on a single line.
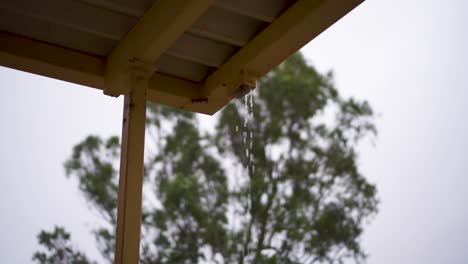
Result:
{"points": [[51, 61], [72, 66], [159, 27], [171, 85], [298, 25], [127, 244], [172, 91]]}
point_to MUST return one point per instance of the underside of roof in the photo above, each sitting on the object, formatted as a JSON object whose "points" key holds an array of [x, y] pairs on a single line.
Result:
{"points": [[208, 50]]}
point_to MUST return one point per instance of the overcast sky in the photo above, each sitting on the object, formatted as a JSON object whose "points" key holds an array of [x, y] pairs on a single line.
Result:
{"points": [[407, 58]]}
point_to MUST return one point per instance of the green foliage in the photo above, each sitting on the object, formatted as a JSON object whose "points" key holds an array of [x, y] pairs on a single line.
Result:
{"points": [[93, 162], [57, 243], [191, 188], [294, 161]]}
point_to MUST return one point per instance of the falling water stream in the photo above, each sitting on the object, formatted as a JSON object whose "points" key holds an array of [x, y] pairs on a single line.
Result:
{"points": [[247, 134]]}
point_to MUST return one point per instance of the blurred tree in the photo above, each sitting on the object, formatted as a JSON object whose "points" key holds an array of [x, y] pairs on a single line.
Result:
{"points": [[276, 182], [60, 250]]}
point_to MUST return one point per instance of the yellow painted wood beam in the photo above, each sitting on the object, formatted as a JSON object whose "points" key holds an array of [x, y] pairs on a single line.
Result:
{"points": [[173, 91], [159, 27], [72, 66], [52, 61], [298, 25]]}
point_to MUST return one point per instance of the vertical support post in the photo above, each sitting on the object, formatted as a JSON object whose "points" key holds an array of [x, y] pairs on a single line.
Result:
{"points": [[127, 242]]}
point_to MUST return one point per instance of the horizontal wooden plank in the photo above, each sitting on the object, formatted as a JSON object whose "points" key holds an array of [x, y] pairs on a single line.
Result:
{"points": [[51, 61], [67, 65], [173, 91]]}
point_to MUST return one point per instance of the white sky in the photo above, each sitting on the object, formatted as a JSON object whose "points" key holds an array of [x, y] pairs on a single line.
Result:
{"points": [[408, 58]]}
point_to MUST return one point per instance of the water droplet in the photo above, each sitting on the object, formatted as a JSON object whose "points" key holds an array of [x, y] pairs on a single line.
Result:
{"points": [[249, 167]]}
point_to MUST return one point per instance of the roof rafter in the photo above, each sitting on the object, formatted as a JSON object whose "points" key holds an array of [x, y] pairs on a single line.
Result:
{"points": [[52, 61], [154, 33], [72, 66]]}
